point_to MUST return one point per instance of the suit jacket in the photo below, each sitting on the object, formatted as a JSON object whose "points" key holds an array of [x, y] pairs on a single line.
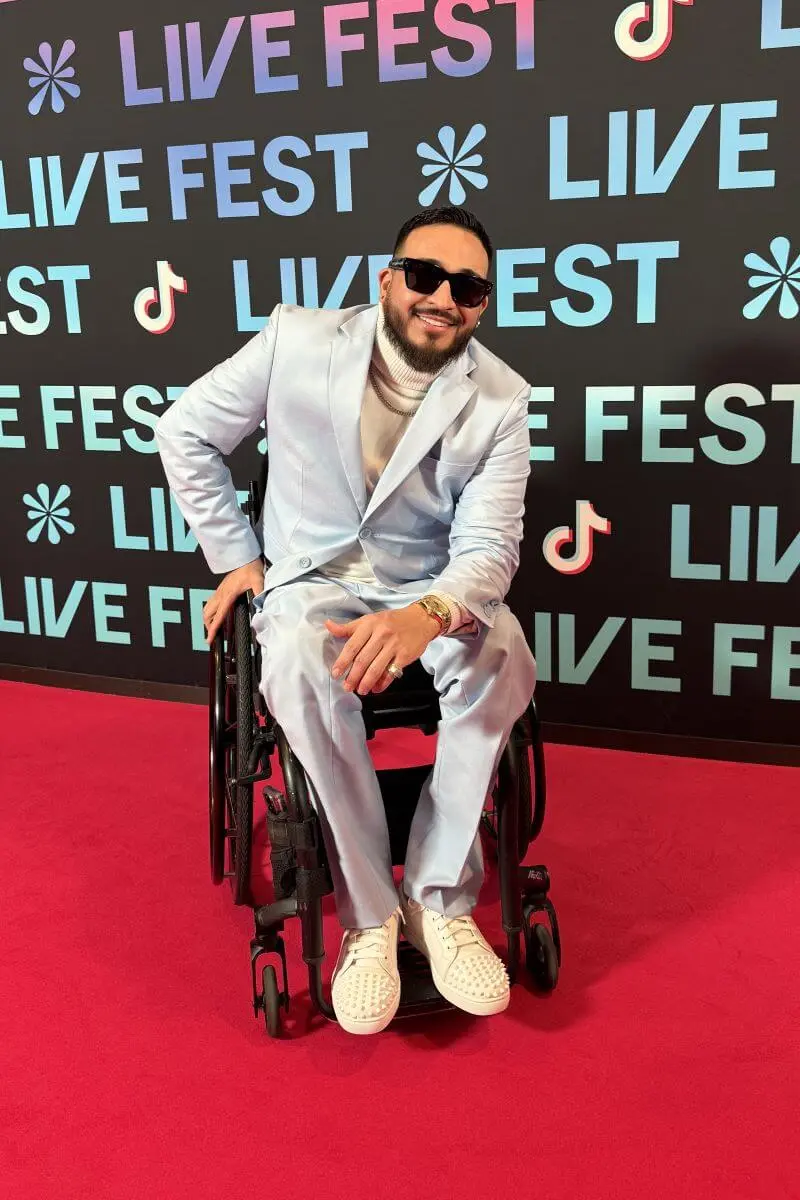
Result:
{"points": [[448, 507]]}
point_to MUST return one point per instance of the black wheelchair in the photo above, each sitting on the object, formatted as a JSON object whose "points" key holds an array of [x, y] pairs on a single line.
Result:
{"points": [[243, 738]]}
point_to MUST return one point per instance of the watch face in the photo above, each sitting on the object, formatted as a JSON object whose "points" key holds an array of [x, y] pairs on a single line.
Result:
{"points": [[436, 608]]}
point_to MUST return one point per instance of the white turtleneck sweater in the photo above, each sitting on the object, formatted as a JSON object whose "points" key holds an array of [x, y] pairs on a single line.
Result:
{"points": [[381, 430]]}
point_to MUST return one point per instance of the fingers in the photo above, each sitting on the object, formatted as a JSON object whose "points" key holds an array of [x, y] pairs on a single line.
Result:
{"points": [[385, 681], [214, 613], [341, 630], [365, 675], [360, 652], [373, 644], [236, 583], [376, 678], [356, 640], [216, 609]]}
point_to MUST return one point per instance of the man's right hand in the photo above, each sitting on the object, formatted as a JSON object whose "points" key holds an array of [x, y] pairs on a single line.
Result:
{"points": [[250, 577]]}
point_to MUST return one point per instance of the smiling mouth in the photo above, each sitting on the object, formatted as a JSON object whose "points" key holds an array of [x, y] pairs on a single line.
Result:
{"points": [[432, 322]]}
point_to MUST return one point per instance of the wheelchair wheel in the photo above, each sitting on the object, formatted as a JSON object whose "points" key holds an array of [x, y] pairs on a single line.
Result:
{"points": [[541, 956], [239, 722], [272, 1001]]}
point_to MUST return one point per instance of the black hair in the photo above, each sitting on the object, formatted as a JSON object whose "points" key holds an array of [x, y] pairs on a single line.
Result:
{"points": [[446, 216]]}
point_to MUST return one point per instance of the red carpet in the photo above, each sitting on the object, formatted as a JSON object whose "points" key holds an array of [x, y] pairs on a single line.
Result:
{"points": [[665, 1064]]}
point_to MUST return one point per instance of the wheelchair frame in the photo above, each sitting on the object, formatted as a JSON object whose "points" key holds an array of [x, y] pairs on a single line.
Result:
{"points": [[243, 736]]}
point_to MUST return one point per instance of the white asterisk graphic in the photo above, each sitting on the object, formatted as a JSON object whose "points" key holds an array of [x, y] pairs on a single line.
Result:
{"points": [[51, 79], [447, 163], [774, 278], [45, 513]]}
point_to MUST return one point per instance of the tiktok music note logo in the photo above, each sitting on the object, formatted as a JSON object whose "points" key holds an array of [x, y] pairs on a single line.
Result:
{"points": [[657, 11], [587, 523], [164, 295]]}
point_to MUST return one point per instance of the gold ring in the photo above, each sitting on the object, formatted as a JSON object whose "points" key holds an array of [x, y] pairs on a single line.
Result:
{"points": [[394, 670]]}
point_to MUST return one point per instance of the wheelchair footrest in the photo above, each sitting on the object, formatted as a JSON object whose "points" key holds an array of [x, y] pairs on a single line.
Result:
{"points": [[419, 994]]}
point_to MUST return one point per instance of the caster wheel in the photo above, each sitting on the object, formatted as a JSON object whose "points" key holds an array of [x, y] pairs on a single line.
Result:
{"points": [[541, 956], [272, 1002]]}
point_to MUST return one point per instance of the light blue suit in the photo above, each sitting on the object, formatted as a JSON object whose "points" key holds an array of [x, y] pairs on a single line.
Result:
{"points": [[446, 515]]}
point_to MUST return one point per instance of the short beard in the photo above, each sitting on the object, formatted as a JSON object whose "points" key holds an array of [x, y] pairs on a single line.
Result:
{"points": [[419, 358]]}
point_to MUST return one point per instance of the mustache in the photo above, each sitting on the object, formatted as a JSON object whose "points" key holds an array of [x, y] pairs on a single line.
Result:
{"points": [[432, 312]]}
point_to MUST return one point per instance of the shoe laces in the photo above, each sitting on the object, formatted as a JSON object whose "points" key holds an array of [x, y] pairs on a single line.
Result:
{"points": [[460, 931], [368, 943]]}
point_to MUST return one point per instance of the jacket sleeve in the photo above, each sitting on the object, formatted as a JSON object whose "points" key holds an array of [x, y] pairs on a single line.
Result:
{"points": [[207, 422], [487, 526]]}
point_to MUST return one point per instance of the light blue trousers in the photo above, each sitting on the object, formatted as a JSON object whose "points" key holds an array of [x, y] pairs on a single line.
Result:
{"points": [[484, 681]]}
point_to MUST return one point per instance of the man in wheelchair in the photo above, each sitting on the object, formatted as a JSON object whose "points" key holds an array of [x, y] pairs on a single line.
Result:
{"points": [[390, 532]]}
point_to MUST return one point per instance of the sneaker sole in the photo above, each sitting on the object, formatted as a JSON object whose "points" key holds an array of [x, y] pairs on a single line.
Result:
{"points": [[374, 1025], [476, 1008]]}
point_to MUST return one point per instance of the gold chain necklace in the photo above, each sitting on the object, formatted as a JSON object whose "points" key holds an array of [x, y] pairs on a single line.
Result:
{"points": [[400, 412]]}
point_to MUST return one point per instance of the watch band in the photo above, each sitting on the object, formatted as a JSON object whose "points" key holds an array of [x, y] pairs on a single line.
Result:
{"points": [[458, 614]]}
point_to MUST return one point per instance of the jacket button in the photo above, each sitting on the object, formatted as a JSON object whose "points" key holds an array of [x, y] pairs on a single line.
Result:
{"points": [[304, 562], [366, 532]]}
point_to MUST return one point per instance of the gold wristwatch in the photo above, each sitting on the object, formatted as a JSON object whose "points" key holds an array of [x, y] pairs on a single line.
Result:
{"points": [[436, 608]]}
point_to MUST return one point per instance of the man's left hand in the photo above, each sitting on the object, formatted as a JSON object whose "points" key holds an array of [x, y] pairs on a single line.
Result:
{"points": [[374, 642]]}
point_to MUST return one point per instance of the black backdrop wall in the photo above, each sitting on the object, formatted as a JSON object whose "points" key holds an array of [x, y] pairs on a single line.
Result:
{"points": [[169, 171]]}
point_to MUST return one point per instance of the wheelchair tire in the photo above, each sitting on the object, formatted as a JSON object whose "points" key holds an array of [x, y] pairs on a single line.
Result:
{"points": [[541, 956], [217, 805], [241, 710], [271, 1001]]}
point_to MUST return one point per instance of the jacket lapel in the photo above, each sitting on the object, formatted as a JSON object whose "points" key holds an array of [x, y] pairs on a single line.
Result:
{"points": [[350, 358], [347, 381], [445, 399]]}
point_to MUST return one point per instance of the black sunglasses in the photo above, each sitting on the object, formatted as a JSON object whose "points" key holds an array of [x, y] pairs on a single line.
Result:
{"points": [[426, 278]]}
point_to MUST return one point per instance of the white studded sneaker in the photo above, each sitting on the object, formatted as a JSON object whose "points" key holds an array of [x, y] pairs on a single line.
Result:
{"points": [[464, 967], [366, 985]]}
